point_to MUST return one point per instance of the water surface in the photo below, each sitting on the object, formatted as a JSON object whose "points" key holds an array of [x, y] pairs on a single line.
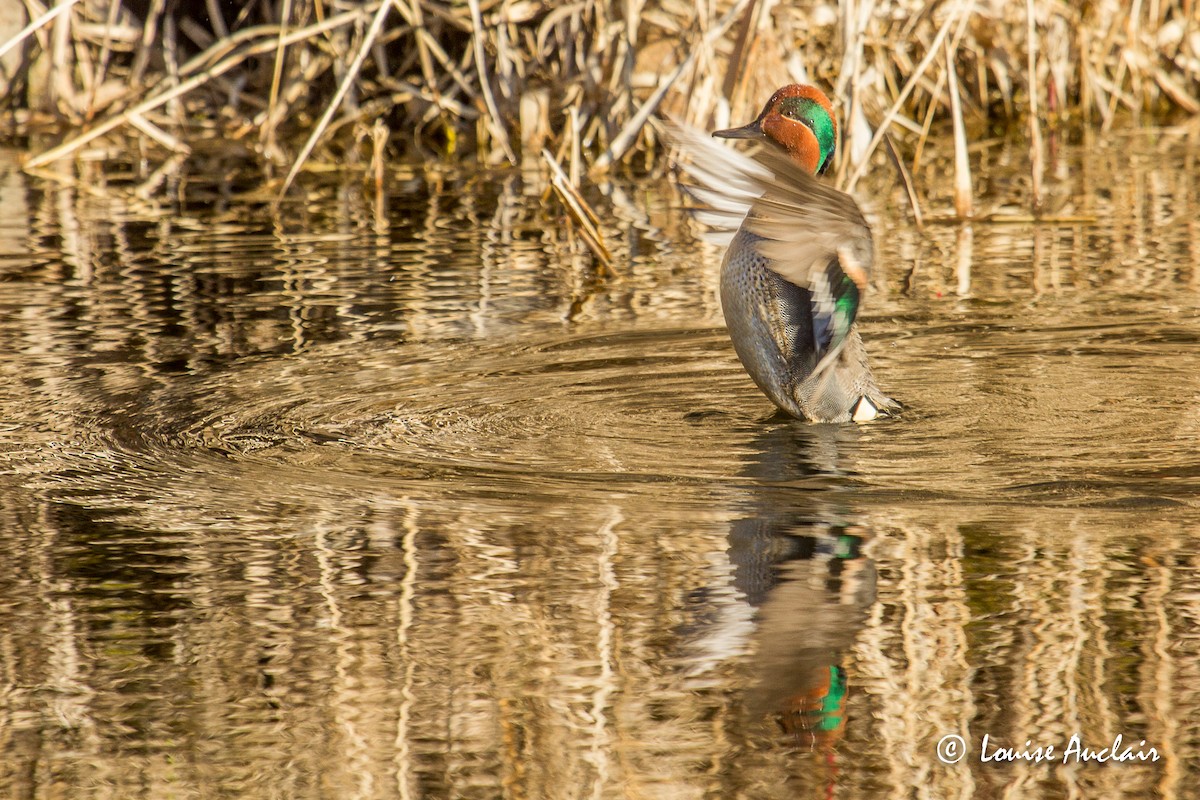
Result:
{"points": [[405, 499]]}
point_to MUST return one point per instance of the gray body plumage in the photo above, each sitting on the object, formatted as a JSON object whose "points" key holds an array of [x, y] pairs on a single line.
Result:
{"points": [[771, 325]]}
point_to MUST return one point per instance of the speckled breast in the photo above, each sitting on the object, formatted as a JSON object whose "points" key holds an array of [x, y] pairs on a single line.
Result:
{"points": [[769, 321]]}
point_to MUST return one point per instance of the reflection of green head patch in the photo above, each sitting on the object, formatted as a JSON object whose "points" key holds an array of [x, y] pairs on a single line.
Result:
{"points": [[814, 115], [831, 705]]}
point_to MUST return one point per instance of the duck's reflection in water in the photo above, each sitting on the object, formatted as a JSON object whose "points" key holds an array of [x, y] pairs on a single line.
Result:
{"points": [[801, 587], [807, 619]]}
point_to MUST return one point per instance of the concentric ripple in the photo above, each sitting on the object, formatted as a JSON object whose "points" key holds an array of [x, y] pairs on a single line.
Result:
{"points": [[601, 405]]}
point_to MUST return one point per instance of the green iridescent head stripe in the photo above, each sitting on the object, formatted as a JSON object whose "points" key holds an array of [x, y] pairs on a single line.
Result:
{"points": [[814, 115]]}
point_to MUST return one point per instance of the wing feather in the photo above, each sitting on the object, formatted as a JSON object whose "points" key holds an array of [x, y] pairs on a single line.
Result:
{"points": [[810, 233]]}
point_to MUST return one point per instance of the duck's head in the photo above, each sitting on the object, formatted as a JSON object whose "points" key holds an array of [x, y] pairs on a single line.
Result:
{"points": [[800, 120]]}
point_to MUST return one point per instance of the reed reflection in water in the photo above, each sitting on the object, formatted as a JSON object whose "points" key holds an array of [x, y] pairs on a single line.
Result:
{"points": [[318, 506]]}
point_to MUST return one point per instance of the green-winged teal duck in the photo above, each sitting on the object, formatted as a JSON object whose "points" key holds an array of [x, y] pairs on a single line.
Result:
{"points": [[799, 260]]}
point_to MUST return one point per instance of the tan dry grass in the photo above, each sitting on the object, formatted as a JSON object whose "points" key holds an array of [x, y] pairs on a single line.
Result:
{"points": [[302, 80]]}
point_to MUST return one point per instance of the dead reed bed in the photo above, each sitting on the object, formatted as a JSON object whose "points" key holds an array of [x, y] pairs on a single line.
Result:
{"points": [[302, 84]]}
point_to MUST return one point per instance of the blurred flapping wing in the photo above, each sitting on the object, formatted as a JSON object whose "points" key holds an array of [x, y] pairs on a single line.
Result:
{"points": [[810, 233]]}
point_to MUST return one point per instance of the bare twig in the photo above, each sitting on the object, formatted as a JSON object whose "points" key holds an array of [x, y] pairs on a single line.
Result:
{"points": [[624, 140], [343, 87], [1036, 158], [962, 165], [268, 127], [906, 179], [461, 76], [180, 89], [909, 85], [580, 211], [34, 25], [485, 82]]}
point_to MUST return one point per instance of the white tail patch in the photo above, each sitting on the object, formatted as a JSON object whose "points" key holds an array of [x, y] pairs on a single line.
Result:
{"points": [[864, 411]]}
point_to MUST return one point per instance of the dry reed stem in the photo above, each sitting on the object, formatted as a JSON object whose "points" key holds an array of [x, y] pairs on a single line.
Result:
{"points": [[379, 137], [271, 122], [579, 212], [928, 124], [37, 24], [105, 55], [1036, 159], [909, 86], [485, 83], [343, 88], [180, 89], [452, 78], [741, 48], [962, 165], [624, 140], [158, 134], [906, 179]]}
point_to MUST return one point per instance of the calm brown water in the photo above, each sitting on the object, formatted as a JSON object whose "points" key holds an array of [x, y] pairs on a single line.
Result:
{"points": [[404, 502]]}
